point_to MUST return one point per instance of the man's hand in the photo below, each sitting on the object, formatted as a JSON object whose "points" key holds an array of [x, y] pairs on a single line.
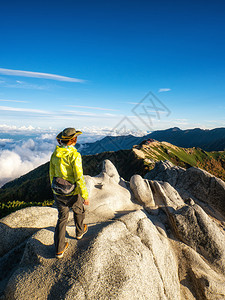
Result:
{"points": [[86, 202]]}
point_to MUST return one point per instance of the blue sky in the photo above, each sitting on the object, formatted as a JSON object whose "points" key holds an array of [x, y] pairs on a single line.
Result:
{"points": [[88, 64]]}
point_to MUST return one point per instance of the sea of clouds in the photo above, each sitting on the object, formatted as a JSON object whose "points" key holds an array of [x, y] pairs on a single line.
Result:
{"points": [[24, 148], [18, 157]]}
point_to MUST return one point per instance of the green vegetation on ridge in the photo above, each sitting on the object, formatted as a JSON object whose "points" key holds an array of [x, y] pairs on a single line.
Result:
{"points": [[212, 162], [11, 206]]}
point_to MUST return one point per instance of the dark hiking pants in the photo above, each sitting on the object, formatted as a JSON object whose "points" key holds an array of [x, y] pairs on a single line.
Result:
{"points": [[64, 203]]}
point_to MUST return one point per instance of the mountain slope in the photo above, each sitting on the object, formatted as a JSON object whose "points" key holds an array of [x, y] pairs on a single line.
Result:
{"points": [[209, 140], [213, 162]]}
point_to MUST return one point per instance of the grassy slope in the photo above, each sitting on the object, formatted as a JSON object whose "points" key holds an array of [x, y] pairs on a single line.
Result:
{"points": [[213, 162]]}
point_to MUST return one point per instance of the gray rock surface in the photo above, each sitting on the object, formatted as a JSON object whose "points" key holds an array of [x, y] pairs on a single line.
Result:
{"points": [[129, 251], [129, 257], [142, 191], [18, 226], [192, 183], [108, 195]]}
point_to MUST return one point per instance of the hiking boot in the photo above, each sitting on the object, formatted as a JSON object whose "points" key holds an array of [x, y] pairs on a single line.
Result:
{"points": [[85, 230], [60, 254]]}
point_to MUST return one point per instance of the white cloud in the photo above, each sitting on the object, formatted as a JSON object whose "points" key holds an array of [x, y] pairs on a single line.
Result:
{"points": [[37, 111], [3, 142], [20, 157], [80, 113], [92, 107], [133, 103], [6, 140], [24, 128], [4, 127], [164, 90], [110, 115], [38, 75], [23, 85], [9, 128], [24, 157], [20, 101], [93, 132]]}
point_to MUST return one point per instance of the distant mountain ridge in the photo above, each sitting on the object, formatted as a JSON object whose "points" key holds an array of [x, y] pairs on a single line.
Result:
{"points": [[206, 139]]}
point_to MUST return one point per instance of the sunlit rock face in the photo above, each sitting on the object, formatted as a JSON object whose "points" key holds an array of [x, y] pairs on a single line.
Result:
{"points": [[162, 237]]}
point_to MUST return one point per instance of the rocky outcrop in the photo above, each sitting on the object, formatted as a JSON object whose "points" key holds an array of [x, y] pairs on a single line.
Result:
{"points": [[109, 194], [142, 192], [127, 258], [17, 227], [147, 239], [192, 183]]}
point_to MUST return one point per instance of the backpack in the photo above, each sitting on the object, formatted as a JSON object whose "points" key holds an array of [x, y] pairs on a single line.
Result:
{"points": [[62, 186]]}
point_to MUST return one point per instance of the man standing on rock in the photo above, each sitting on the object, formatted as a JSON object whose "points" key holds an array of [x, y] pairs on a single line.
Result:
{"points": [[68, 185]]}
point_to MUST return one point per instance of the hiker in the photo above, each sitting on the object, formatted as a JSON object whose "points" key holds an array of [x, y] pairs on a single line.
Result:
{"points": [[68, 185]]}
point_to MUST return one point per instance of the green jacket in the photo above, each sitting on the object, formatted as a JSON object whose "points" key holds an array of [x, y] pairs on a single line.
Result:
{"points": [[66, 163]]}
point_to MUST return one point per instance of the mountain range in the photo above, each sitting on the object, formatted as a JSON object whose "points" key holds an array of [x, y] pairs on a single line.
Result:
{"points": [[208, 140]]}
